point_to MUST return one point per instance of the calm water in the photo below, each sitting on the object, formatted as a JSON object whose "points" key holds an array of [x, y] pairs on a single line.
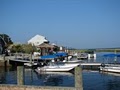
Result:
{"points": [[92, 80]]}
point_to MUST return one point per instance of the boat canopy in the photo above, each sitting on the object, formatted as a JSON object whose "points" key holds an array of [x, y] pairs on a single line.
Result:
{"points": [[61, 54], [48, 57], [56, 55], [111, 55]]}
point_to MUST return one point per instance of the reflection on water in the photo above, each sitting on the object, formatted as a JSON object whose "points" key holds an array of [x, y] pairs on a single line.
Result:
{"points": [[110, 73], [8, 76], [113, 84], [56, 78], [49, 78], [100, 81], [2, 76]]}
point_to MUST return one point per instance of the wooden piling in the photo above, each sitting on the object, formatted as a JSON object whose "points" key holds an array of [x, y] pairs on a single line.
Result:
{"points": [[78, 78], [16, 55], [5, 62], [31, 58], [20, 75]]}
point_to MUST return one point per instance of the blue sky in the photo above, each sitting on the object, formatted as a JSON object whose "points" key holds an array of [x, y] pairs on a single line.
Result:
{"points": [[73, 23]]}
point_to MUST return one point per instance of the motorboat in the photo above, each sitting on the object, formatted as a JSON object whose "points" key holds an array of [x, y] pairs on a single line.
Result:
{"points": [[54, 63], [57, 67], [111, 67], [82, 56]]}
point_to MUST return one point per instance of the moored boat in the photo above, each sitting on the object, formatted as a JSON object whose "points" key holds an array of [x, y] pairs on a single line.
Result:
{"points": [[111, 67], [57, 68]]}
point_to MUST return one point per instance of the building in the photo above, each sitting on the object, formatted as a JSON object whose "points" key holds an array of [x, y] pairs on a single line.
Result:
{"points": [[46, 48], [38, 40]]}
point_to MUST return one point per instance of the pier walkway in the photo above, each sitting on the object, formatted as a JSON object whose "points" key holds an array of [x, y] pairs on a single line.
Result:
{"points": [[90, 64]]}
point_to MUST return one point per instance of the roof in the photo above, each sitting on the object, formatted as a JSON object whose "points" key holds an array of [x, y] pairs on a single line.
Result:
{"points": [[46, 45], [37, 40]]}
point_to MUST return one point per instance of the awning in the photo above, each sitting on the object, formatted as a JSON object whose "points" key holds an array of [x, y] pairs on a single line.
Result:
{"points": [[56, 55], [48, 57], [111, 55], [61, 54]]}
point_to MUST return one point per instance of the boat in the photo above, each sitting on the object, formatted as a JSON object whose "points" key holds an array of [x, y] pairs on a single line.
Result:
{"points": [[82, 56], [111, 67], [54, 63], [57, 67], [30, 64]]}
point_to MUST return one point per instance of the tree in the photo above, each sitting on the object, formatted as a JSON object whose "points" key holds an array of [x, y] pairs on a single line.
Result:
{"points": [[7, 39], [28, 48], [16, 48]]}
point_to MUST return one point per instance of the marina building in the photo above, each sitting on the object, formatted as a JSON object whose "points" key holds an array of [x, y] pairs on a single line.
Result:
{"points": [[38, 40]]}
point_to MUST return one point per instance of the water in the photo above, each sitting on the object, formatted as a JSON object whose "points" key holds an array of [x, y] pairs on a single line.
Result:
{"points": [[92, 80]]}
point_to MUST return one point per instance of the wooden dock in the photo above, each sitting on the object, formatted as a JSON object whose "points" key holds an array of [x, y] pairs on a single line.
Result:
{"points": [[91, 64]]}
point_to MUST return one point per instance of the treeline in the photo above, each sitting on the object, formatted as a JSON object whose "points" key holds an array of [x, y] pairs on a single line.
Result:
{"points": [[22, 48], [108, 50], [90, 51], [95, 50]]}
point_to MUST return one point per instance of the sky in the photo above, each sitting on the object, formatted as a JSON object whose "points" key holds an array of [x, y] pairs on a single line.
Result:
{"points": [[73, 23]]}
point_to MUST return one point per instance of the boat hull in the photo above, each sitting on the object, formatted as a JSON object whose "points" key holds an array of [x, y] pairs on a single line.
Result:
{"points": [[110, 69], [57, 68]]}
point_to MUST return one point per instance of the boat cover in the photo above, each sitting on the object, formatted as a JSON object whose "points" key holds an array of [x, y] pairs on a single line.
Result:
{"points": [[111, 55]]}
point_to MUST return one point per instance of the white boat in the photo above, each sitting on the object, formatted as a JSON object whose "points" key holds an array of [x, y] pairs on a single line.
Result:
{"points": [[57, 68], [72, 61], [111, 67], [30, 64], [82, 56]]}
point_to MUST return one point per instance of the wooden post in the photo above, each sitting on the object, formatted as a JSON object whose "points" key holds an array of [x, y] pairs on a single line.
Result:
{"points": [[31, 58], [5, 62], [78, 78], [16, 55], [115, 58], [20, 75], [4, 57]]}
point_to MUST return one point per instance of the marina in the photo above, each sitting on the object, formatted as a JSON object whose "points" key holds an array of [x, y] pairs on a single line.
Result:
{"points": [[59, 45], [60, 80]]}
